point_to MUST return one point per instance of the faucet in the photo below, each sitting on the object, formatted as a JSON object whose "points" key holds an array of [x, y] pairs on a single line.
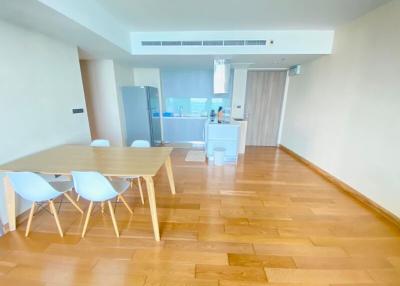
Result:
{"points": [[181, 111]]}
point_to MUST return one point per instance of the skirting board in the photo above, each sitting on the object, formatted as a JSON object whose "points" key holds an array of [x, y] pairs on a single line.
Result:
{"points": [[345, 188]]}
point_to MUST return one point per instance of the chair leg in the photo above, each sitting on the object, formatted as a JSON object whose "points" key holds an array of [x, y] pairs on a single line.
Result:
{"points": [[125, 203], [73, 203], [102, 207], [28, 227], [78, 197], [52, 207], [113, 218], [87, 219], [140, 189]]}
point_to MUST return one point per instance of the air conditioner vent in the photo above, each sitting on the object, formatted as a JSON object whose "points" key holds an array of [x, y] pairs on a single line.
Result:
{"points": [[256, 43], [171, 43], [214, 43], [151, 43], [234, 43], [192, 43]]}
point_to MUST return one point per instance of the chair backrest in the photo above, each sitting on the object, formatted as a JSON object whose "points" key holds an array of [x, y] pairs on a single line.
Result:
{"points": [[100, 143], [32, 187], [93, 186], [140, 144]]}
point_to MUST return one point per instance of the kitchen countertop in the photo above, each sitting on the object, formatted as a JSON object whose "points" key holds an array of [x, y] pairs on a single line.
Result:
{"points": [[231, 122], [186, 117]]}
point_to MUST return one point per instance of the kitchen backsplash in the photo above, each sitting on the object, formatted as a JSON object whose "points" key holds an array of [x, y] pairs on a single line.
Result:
{"points": [[197, 106]]}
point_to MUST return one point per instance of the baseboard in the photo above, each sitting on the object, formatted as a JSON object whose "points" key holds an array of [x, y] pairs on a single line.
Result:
{"points": [[345, 188]]}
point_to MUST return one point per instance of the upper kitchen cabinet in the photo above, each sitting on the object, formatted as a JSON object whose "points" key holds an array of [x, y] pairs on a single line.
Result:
{"points": [[189, 92], [187, 82]]}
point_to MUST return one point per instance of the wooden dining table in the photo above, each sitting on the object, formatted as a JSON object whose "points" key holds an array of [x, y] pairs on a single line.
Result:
{"points": [[110, 161]]}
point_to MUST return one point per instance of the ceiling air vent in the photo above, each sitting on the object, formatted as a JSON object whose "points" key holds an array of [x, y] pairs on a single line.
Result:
{"points": [[191, 43], [171, 43], [213, 43], [234, 43], [206, 43], [151, 43], [256, 43]]}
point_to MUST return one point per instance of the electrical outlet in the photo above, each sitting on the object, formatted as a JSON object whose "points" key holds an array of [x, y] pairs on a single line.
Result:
{"points": [[77, 110]]}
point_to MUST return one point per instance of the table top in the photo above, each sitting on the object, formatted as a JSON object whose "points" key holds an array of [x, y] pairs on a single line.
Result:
{"points": [[110, 161]]}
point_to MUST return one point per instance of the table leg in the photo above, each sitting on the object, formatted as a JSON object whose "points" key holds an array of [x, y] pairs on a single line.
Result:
{"points": [[153, 206], [170, 174], [10, 203]]}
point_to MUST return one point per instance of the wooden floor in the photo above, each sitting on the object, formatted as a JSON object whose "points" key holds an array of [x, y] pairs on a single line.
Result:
{"points": [[267, 221]]}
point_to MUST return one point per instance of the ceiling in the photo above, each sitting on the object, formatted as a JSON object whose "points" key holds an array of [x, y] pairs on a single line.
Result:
{"points": [[35, 16], [207, 61], [214, 15], [168, 15]]}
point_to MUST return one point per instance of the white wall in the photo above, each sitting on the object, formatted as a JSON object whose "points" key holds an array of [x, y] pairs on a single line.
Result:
{"points": [[343, 112], [102, 100], [150, 77], [239, 93], [40, 83], [123, 77]]}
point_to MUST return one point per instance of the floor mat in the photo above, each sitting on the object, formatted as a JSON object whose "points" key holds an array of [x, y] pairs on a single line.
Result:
{"points": [[195, 156]]}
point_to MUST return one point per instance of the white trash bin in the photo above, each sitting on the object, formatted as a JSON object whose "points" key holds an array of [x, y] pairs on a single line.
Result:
{"points": [[219, 155]]}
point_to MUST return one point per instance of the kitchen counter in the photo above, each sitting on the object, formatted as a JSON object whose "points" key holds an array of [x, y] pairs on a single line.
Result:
{"points": [[185, 117], [185, 129], [225, 135], [233, 122]]}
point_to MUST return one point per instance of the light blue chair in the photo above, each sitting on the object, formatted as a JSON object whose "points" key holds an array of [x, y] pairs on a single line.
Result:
{"points": [[94, 187], [138, 144], [100, 143], [34, 188]]}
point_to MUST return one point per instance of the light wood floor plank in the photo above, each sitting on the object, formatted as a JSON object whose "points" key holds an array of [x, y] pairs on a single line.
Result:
{"points": [[385, 275], [307, 262], [237, 273], [177, 256], [261, 261], [317, 276], [300, 250]]}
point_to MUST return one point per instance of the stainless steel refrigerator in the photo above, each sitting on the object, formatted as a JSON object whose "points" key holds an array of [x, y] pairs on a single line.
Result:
{"points": [[142, 114]]}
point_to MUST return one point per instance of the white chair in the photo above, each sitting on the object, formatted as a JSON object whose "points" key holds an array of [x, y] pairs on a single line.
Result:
{"points": [[34, 188], [138, 144], [100, 143], [94, 187]]}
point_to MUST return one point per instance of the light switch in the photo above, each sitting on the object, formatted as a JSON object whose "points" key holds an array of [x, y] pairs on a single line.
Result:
{"points": [[77, 110]]}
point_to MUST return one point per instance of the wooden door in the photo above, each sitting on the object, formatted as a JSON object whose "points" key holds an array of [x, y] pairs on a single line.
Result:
{"points": [[264, 98]]}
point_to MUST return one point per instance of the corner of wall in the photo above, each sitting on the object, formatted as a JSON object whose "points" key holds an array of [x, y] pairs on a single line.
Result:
{"points": [[282, 119]]}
